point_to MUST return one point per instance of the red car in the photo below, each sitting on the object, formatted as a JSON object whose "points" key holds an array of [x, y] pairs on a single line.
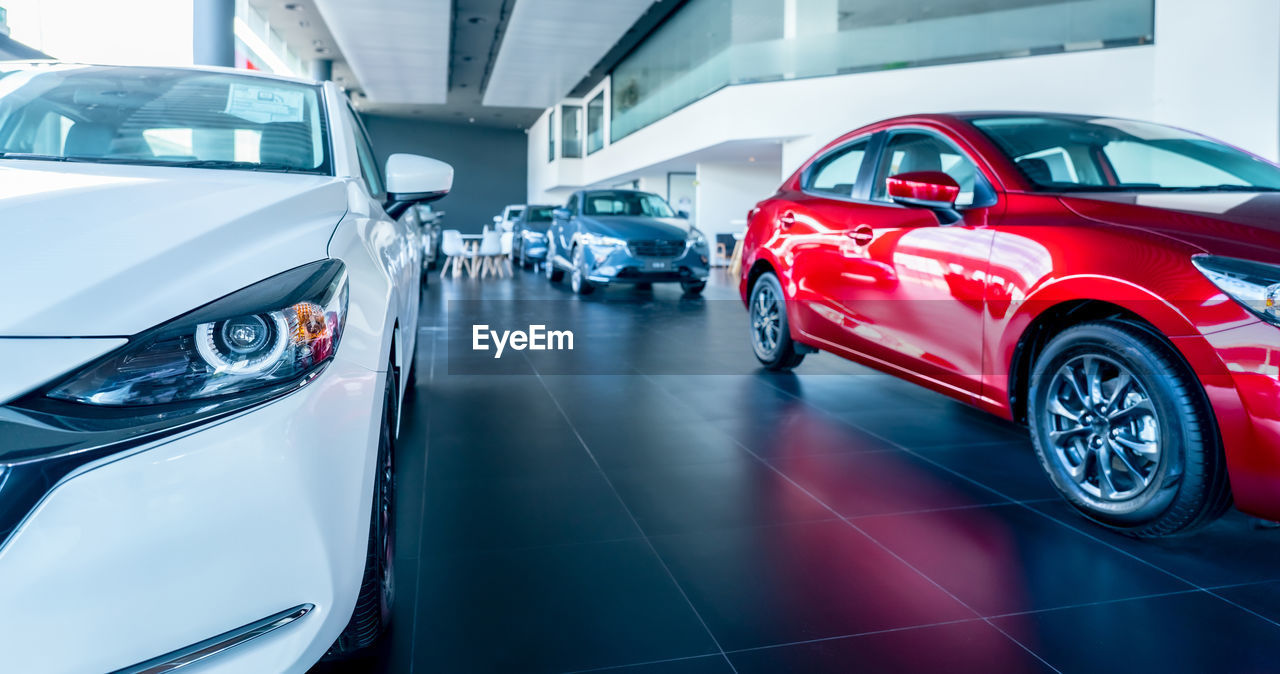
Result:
{"points": [[1112, 284]]}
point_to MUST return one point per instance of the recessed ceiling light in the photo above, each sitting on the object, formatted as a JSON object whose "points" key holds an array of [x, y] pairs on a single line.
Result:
{"points": [[751, 158]]}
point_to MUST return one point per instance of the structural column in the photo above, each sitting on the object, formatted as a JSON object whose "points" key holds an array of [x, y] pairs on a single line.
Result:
{"points": [[322, 70], [213, 40]]}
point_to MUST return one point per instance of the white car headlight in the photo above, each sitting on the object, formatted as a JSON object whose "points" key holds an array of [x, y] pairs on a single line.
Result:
{"points": [[696, 238], [1255, 285], [275, 333]]}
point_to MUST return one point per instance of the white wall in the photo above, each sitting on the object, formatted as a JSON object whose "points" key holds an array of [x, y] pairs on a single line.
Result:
{"points": [[123, 32], [809, 112], [1217, 70], [541, 176], [1214, 68], [726, 191]]}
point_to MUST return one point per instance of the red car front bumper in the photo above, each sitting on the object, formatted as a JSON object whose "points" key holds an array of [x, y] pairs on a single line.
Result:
{"points": [[1240, 370]]}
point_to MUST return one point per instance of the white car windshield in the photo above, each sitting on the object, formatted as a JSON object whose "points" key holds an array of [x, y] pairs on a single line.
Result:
{"points": [[161, 116]]}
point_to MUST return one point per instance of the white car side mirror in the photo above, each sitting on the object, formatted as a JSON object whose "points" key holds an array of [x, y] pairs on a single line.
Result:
{"points": [[413, 179]]}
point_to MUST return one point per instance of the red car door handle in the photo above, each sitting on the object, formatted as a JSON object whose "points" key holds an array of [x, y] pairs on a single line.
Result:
{"points": [[862, 235], [787, 219]]}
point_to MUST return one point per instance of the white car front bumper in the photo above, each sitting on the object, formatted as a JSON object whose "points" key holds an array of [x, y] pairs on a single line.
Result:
{"points": [[168, 545]]}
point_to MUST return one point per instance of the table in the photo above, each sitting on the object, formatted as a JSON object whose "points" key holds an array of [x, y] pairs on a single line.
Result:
{"points": [[472, 243]]}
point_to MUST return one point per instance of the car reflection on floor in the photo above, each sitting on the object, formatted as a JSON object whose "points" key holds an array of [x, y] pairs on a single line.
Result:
{"points": [[670, 508]]}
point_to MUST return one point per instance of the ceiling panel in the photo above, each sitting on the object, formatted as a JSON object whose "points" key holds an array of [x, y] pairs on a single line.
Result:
{"points": [[397, 49], [549, 45]]}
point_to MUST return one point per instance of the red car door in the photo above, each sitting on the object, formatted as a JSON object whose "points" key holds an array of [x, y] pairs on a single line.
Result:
{"points": [[820, 231], [910, 289]]}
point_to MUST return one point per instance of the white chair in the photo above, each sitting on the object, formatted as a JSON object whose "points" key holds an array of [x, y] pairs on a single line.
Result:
{"points": [[490, 250], [455, 249], [507, 239]]}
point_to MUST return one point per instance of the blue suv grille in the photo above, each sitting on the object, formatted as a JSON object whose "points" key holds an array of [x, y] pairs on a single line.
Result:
{"points": [[659, 248]]}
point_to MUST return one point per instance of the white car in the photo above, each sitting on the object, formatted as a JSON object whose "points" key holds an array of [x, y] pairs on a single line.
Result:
{"points": [[206, 329], [507, 220]]}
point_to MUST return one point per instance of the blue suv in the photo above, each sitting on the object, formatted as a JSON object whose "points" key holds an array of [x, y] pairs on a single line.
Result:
{"points": [[603, 237]]}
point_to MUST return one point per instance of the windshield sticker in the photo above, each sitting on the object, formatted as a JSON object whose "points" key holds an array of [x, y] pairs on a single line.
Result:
{"points": [[263, 105]]}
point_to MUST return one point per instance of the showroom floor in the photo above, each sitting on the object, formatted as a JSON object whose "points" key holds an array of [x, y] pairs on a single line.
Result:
{"points": [[671, 508]]}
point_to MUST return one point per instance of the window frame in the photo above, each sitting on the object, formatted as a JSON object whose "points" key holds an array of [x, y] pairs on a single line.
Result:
{"points": [[860, 193], [982, 169], [553, 148], [361, 135], [601, 94], [576, 112]]}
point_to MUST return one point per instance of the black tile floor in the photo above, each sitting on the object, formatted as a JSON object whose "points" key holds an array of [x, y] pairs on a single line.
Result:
{"points": [[668, 507]]}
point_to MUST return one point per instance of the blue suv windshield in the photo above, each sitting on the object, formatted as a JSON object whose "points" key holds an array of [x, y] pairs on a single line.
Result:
{"points": [[626, 203]]}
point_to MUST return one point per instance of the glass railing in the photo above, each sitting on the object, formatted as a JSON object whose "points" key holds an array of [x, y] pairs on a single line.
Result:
{"points": [[710, 44]]}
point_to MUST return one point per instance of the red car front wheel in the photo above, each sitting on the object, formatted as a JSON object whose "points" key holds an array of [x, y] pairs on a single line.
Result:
{"points": [[1123, 429]]}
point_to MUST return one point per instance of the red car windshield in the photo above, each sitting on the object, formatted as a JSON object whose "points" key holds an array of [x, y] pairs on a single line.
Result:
{"points": [[1084, 154]]}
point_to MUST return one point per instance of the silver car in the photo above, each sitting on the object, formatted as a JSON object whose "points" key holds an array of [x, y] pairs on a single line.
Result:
{"points": [[604, 237]]}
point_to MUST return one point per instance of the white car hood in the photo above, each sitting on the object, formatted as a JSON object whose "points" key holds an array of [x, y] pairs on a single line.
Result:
{"points": [[91, 250]]}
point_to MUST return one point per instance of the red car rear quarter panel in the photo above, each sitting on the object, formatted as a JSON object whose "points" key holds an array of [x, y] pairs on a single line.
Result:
{"points": [[762, 243]]}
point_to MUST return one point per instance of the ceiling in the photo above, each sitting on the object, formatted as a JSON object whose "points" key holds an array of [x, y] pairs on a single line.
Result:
{"points": [[475, 39], [397, 49], [551, 45], [496, 63], [300, 24]]}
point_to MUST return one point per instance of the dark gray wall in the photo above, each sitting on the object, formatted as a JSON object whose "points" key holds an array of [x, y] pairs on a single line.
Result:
{"points": [[489, 165]]}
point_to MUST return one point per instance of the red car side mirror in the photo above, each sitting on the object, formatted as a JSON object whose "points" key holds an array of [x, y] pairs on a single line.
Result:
{"points": [[927, 189]]}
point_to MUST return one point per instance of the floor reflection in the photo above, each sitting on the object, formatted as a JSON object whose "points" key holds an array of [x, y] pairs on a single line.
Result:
{"points": [[654, 500]]}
